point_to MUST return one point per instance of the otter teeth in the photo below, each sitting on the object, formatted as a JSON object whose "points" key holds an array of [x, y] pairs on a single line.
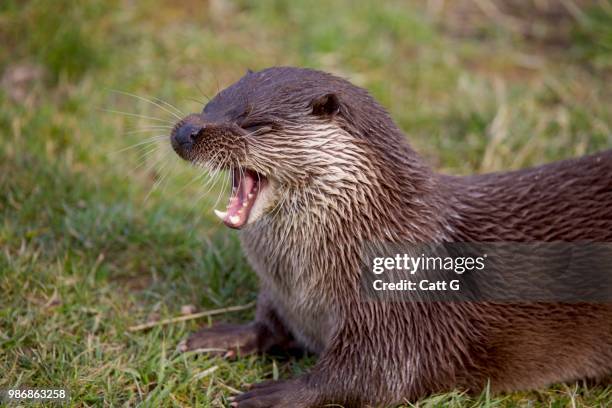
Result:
{"points": [[234, 219], [220, 214], [244, 192]]}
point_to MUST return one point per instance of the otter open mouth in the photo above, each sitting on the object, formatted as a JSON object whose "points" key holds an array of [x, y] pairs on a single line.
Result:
{"points": [[246, 186]]}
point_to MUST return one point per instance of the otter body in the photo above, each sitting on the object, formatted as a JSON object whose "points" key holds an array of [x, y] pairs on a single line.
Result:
{"points": [[319, 168]]}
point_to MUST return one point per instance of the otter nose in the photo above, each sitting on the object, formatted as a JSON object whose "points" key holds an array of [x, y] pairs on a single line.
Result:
{"points": [[187, 135]]}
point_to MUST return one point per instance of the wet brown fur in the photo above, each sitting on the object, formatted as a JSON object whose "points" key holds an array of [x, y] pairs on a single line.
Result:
{"points": [[354, 177]]}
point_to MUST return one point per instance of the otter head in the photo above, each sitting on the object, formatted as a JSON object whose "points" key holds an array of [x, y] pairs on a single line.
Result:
{"points": [[290, 137]]}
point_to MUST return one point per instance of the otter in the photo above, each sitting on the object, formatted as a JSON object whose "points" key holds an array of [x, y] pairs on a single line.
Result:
{"points": [[318, 167]]}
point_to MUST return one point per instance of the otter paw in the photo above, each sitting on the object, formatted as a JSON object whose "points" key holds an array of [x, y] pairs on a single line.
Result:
{"points": [[226, 340], [276, 394]]}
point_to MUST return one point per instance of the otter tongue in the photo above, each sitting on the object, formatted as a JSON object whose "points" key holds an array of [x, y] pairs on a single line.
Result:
{"points": [[244, 193]]}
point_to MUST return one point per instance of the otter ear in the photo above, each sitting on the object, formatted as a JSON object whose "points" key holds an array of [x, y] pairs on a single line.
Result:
{"points": [[328, 104]]}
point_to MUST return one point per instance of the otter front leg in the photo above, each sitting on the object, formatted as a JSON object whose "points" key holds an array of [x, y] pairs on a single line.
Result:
{"points": [[261, 335], [329, 383], [225, 339], [354, 371], [321, 387]]}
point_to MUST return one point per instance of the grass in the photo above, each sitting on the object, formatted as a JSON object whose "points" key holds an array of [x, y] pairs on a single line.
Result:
{"points": [[93, 241]]}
